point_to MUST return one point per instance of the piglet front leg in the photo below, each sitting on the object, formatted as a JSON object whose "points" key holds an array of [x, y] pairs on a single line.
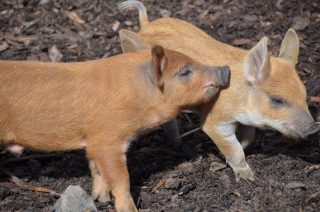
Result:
{"points": [[109, 160], [223, 135], [100, 188]]}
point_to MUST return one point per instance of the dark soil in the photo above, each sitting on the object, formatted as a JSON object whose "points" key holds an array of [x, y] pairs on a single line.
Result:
{"points": [[163, 178]]}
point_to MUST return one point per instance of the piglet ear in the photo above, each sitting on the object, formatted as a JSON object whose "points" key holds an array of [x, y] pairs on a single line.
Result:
{"points": [[289, 49], [159, 62], [131, 41], [257, 63]]}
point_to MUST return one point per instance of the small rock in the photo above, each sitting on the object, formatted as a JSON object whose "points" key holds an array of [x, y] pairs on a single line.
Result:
{"points": [[165, 13], [128, 23], [186, 167], [294, 185], [300, 23], [115, 26], [172, 183], [54, 54], [74, 199]]}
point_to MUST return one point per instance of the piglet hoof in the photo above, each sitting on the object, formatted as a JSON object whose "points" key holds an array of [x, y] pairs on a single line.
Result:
{"points": [[102, 197], [100, 190], [244, 173]]}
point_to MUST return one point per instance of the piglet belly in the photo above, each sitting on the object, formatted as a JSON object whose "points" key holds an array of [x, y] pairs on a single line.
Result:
{"points": [[46, 142]]}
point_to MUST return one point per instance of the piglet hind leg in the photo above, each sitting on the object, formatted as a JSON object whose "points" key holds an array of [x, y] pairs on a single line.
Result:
{"points": [[110, 161], [223, 135]]}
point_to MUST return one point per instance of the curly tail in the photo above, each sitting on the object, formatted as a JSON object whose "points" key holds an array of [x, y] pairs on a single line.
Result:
{"points": [[134, 4]]}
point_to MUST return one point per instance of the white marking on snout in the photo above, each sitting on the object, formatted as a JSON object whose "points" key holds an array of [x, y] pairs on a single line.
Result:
{"points": [[255, 118]]}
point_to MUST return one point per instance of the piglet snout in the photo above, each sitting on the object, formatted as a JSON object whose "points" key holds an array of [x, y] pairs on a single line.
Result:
{"points": [[222, 76], [311, 129]]}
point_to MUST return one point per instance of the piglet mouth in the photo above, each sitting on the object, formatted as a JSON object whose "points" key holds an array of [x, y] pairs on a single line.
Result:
{"points": [[209, 86], [210, 90]]}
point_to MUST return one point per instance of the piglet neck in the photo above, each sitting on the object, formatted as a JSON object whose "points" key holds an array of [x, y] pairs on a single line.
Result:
{"points": [[160, 113]]}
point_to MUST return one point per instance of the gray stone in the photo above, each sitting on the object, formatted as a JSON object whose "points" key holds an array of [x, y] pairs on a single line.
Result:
{"points": [[74, 199], [172, 183]]}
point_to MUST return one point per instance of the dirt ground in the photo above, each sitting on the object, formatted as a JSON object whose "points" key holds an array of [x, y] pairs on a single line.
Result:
{"points": [[194, 177]]}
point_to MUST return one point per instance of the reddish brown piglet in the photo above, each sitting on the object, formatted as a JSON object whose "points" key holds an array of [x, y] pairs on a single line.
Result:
{"points": [[100, 106], [265, 91]]}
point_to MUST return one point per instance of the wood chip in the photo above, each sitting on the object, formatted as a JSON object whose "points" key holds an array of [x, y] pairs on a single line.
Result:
{"points": [[294, 185], [157, 186], [241, 41], [75, 18], [236, 193]]}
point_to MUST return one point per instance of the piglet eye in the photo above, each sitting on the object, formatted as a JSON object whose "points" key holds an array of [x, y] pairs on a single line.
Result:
{"points": [[186, 71], [278, 101]]}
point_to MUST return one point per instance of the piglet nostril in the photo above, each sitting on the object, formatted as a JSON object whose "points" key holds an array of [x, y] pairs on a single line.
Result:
{"points": [[224, 75]]}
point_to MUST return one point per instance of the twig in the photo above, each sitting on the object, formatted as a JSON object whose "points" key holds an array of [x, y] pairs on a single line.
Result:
{"points": [[20, 184], [190, 132], [188, 119]]}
